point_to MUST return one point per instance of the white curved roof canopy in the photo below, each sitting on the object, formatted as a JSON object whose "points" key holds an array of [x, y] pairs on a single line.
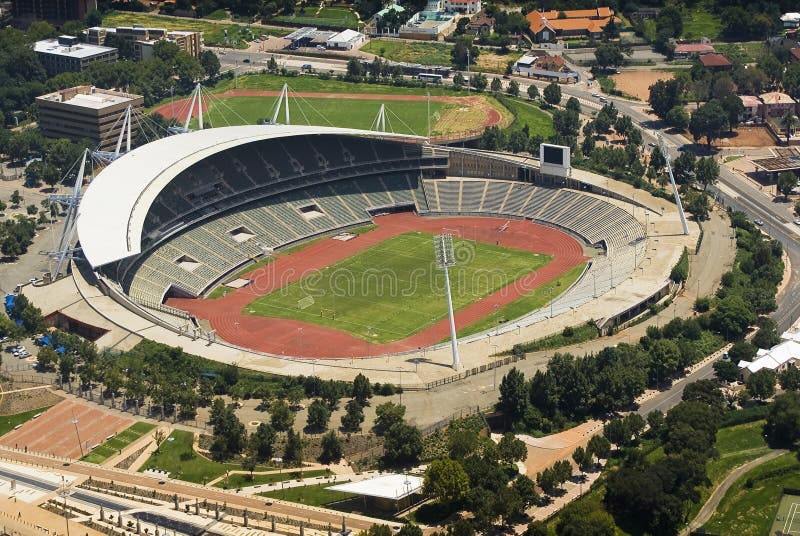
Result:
{"points": [[113, 209]]}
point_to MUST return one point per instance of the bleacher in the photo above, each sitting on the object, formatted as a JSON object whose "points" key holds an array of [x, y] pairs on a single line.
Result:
{"points": [[273, 222]]}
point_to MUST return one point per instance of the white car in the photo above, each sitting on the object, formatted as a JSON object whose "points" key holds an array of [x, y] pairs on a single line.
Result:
{"points": [[24, 354], [4, 339], [796, 221]]}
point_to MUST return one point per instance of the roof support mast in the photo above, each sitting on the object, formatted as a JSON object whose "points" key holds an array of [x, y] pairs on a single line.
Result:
{"points": [[283, 100], [71, 201], [664, 152]]}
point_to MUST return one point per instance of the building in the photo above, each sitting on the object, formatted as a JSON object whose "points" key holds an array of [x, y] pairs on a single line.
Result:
{"points": [[546, 26], [346, 40], [646, 13], [776, 104], [67, 54], [85, 112], [752, 106], [390, 492], [481, 25], [684, 50], [715, 62], [140, 40], [428, 25], [791, 20], [778, 358], [466, 7], [544, 67], [55, 11]]}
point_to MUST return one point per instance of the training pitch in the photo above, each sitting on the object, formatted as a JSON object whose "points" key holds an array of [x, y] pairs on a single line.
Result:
{"points": [[787, 520], [394, 289]]}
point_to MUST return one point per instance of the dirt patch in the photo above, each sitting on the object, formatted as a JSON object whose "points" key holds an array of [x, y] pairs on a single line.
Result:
{"points": [[637, 83], [22, 401], [747, 137], [494, 63]]}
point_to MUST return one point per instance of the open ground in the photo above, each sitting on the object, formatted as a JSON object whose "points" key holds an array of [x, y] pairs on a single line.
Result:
{"points": [[637, 83], [54, 432], [294, 337], [406, 113]]}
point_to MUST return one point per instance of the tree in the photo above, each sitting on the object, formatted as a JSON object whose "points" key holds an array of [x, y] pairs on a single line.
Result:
{"points": [[547, 481], [402, 444], [683, 167], [664, 96], [16, 198], [726, 370], [478, 82], [513, 394], [783, 420], [512, 449], [210, 63], [789, 121], [496, 86], [282, 417], [318, 415], [582, 458], [293, 451], [526, 490], [513, 88], [249, 464], [732, 316], [706, 171], [657, 160], [615, 432], [677, 117], [332, 448], [787, 181], [262, 442], [46, 360], [458, 81], [446, 480], [353, 417], [552, 94], [761, 384], [608, 55], [387, 414], [158, 438], [733, 106], [789, 378], [361, 390], [708, 121], [599, 446], [704, 391], [463, 52], [533, 92], [94, 18]]}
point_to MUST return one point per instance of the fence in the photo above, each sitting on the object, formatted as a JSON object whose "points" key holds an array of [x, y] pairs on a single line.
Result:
{"points": [[464, 412], [507, 360]]}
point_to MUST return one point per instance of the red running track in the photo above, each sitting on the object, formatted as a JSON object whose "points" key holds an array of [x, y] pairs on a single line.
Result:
{"points": [[280, 336]]}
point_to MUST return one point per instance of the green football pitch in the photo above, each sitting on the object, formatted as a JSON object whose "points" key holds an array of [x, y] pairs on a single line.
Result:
{"points": [[393, 289], [787, 520], [402, 117]]}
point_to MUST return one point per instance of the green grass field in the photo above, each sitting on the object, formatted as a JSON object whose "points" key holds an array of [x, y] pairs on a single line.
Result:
{"points": [[401, 117], [238, 480], [393, 289], [213, 32], [423, 52], [111, 447], [316, 495], [314, 84], [530, 302], [699, 23], [750, 511], [525, 113], [328, 17], [179, 459], [8, 422], [787, 519]]}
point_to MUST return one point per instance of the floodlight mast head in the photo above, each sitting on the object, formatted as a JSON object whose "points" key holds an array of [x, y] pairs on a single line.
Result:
{"points": [[443, 250]]}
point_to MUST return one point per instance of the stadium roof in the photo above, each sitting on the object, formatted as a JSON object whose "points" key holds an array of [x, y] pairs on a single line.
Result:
{"points": [[113, 209], [391, 486]]}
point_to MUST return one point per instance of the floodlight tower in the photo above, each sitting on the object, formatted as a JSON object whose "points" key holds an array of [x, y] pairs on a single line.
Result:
{"points": [[662, 146], [443, 248]]}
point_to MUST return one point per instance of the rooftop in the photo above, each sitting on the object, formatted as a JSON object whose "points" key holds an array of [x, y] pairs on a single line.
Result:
{"points": [[391, 486], [750, 101], [775, 97], [594, 23], [89, 97], [693, 48], [345, 37], [81, 50], [715, 60]]}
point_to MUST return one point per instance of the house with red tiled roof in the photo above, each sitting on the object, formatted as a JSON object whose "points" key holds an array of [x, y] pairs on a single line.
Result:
{"points": [[481, 25], [546, 26], [715, 62], [751, 105], [684, 50]]}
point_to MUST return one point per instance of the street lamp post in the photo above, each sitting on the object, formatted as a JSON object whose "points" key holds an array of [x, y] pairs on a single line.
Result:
{"points": [[75, 422]]}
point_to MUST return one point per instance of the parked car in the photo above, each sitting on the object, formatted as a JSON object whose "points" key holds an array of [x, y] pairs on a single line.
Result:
{"points": [[758, 222], [796, 221], [4, 339]]}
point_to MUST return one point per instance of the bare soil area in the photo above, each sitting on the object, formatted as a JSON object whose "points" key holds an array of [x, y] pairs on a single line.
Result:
{"points": [[637, 83]]}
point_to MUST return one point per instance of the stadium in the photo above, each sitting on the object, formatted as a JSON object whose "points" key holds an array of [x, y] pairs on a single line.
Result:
{"points": [[278, 247]]}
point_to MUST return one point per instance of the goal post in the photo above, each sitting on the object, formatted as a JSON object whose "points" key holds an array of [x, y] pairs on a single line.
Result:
{"points": [[328, 313]]}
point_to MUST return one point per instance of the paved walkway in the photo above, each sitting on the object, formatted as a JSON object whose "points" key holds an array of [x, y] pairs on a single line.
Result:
{"points": [[712, 503]]}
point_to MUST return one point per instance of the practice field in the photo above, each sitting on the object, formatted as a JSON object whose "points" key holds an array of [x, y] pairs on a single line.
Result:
{"points": [[787, 520], [115, 445], [327, 17], [393, 289]]}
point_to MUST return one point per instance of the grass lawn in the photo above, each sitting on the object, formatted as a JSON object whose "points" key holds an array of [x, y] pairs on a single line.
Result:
{"points": [[393, 289], [213, 32], [526, 113], [749, 511], [746, 52], [423, 52], [315, 84], [8, 422], [328, 17], [315, 495], [237, 480], [179, 459], [699, 23], [583, 333], [401, 117], [530, 302], [111, 447]]}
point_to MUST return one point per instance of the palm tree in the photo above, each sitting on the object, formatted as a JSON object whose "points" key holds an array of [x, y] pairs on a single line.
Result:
{"points": [[788, 121]]}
